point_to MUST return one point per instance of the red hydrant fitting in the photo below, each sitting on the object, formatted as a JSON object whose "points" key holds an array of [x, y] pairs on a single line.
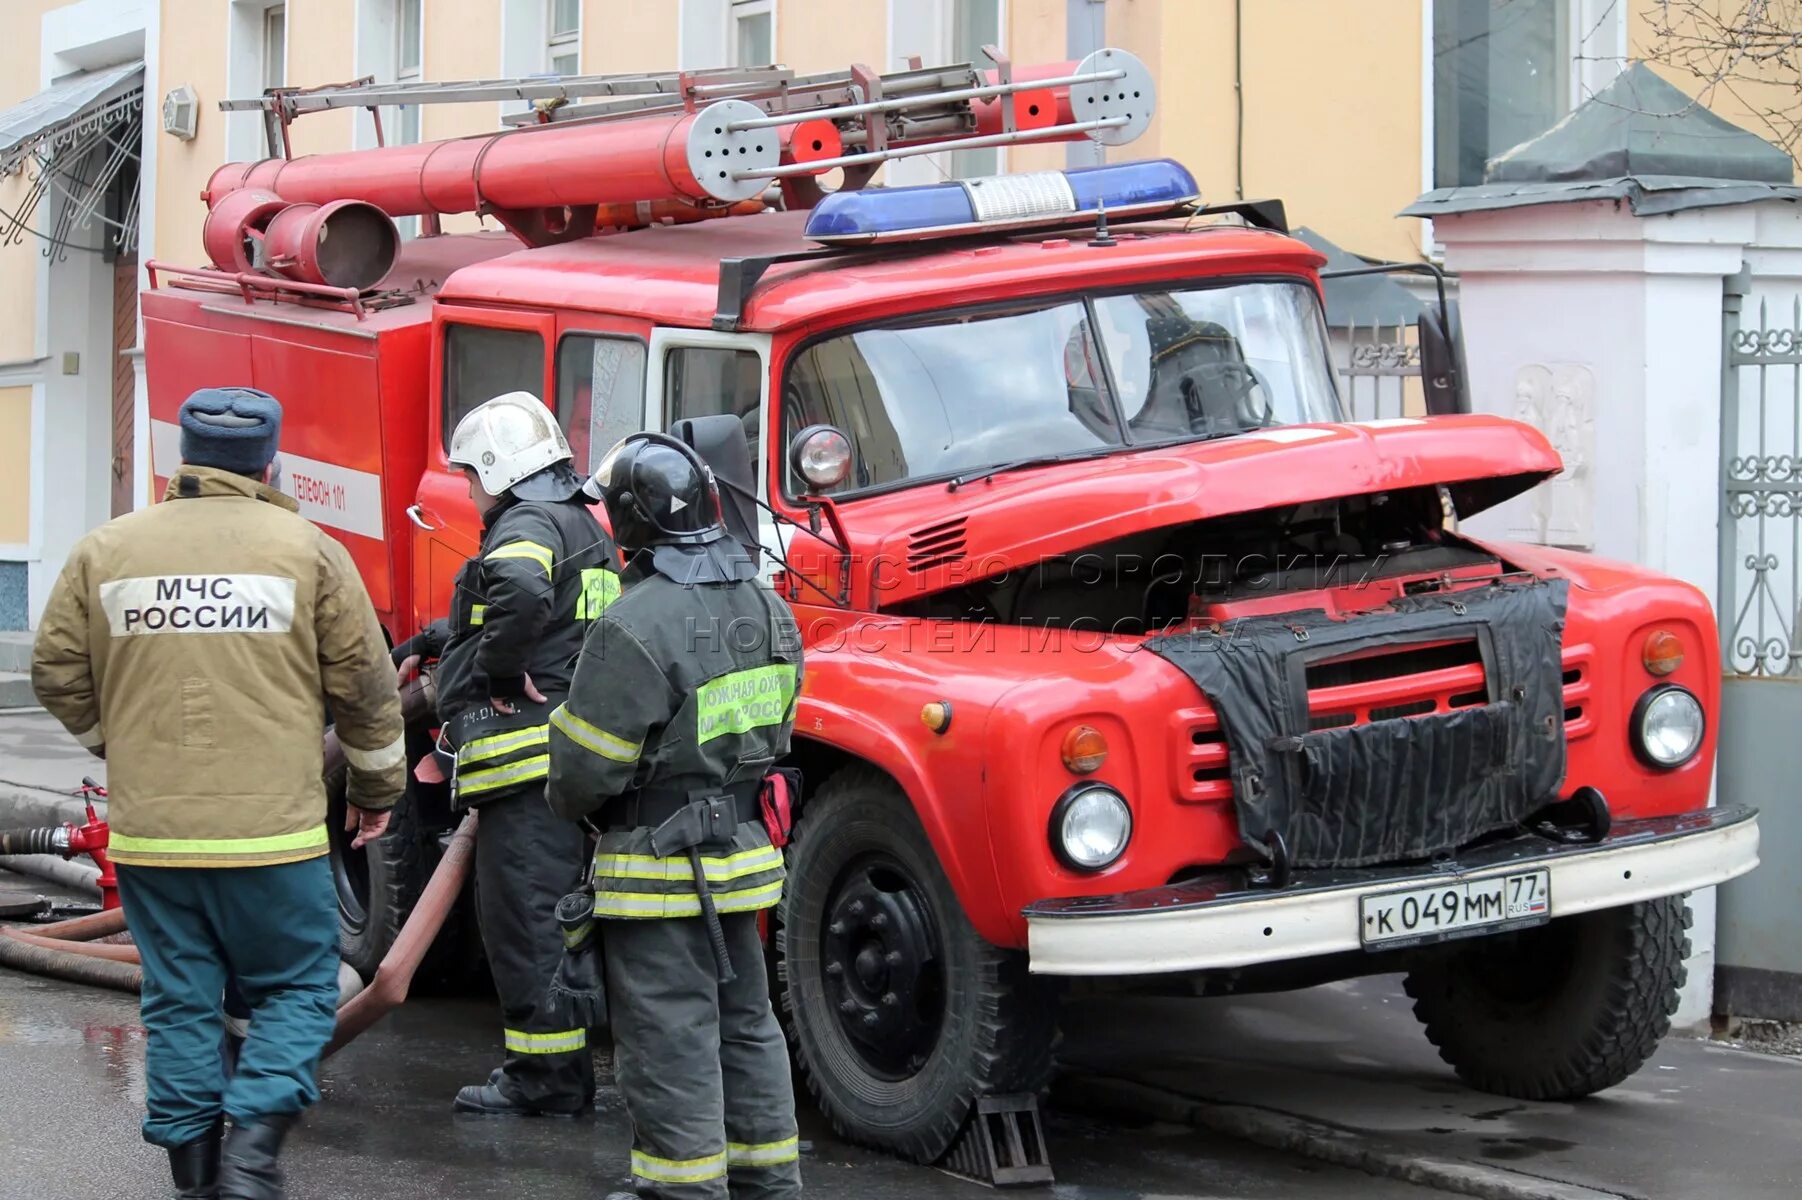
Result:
{"points": [[69, 839]]}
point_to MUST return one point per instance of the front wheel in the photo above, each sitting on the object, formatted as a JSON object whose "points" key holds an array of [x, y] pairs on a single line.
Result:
{"points": [[1559, 1012], [898, 1012]]}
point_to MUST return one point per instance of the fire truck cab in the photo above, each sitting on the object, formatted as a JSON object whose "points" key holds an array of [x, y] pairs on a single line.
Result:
{"points": [[1128, 656]]}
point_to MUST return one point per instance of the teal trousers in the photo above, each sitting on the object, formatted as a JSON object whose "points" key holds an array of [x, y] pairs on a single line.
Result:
{"points": [[271, 931]]}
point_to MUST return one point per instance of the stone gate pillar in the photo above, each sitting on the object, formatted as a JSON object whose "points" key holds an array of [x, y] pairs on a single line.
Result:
{"points": [[1592, 266]]}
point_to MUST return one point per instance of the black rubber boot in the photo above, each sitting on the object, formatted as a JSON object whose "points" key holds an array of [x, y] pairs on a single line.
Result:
{"points": [[195, 1165], [249, 1170], [490, 1100]]}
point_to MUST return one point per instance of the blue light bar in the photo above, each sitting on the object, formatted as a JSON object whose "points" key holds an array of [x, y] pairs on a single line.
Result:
{"points": [[999, 202]]}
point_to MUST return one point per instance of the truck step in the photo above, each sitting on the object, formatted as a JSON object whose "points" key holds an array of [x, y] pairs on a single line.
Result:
{"points": [[15, 651], [15, 691], [1003, 1145]]}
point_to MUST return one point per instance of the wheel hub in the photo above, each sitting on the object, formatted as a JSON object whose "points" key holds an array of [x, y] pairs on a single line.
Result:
{"points": [[881, 959]]}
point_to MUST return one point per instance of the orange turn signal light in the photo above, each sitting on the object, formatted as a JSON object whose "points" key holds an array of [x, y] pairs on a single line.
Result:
{"points": [[1084, 749], [936, 716], [1663, 653]]}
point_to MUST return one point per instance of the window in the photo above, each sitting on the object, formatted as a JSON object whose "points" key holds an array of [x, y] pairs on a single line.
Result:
{"points": [[409, 57], [1500, 77], [481, 363], [753, 33], [974, 24], [275, 59], [600, 393], [707, 381], [563, 30], [964, 391]]}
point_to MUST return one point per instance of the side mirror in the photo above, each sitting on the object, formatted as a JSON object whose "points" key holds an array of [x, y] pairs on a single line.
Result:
{"points": [[1443, 375], [821, 457]]}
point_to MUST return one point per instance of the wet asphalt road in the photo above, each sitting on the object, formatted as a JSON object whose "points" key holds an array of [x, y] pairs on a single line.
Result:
{"points": [[72, 1087]]}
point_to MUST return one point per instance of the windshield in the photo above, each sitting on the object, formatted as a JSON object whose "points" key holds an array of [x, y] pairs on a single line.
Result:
{"points": [[961, 392]]}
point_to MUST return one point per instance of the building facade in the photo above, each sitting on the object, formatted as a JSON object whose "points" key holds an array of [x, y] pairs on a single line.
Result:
{"points": [[110, 127]]}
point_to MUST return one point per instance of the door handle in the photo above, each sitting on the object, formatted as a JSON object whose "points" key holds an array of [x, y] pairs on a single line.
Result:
{"points": [[413, 514]]}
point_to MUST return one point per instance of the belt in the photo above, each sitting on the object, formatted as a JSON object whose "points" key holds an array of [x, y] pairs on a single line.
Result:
{"points": [[651, 807]]}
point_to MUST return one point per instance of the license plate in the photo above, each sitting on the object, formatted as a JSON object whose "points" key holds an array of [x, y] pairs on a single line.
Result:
{"points": [[1429, 914]]}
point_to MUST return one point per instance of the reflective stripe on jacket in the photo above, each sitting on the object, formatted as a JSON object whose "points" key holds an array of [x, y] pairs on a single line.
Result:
{"points": [[201, 641], [681, 688]]}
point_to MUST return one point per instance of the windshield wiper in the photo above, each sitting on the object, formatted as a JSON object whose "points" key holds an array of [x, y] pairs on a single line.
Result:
{"points": [[1017, 464]]}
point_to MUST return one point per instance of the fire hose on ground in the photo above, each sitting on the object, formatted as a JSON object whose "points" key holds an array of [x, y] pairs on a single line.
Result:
{"points": [[96, 949]]}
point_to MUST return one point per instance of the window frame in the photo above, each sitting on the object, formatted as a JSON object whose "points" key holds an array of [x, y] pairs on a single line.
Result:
{"points": [[543, 324], [561, 43], [404, 74], [1084, 296], [739, 11], [273, 73], [568, 332], [666, 338]]}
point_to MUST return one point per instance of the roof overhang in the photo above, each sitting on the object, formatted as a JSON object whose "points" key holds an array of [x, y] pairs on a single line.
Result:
{"points": [[76, 138], [69, 113]]}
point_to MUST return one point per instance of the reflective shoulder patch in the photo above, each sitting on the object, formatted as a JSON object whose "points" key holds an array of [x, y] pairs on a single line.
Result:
{"points": [[600, 588], [741, 701], [198, 604]]}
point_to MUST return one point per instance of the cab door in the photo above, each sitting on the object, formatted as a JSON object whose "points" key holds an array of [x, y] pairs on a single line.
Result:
{"points": [[700, 373], [478, 354]]}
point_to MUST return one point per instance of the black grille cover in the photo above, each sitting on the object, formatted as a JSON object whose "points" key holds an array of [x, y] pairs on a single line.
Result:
{"points": [[1397, 789]]}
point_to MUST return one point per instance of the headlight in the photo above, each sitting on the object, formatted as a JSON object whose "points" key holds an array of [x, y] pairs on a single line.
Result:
{"points": [[1090, 826], [1668, 724]]}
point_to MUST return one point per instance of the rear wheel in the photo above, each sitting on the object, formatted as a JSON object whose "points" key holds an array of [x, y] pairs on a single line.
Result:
{"points": [[898, 1012], [378, 885], [1558, 1012]]}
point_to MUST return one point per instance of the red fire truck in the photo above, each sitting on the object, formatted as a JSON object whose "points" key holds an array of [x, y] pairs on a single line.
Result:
{"points": [[1129, 657]]}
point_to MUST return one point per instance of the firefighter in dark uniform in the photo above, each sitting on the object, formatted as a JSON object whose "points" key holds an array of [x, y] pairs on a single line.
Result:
{"points": [[545, 571], [683, 698]]}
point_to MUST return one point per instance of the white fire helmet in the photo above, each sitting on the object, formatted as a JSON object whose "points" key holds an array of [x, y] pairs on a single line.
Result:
{"points": [[507, 439]]}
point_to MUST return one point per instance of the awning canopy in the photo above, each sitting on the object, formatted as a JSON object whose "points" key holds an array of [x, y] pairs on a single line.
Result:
{"points": [[69, 111], [78, 139]]}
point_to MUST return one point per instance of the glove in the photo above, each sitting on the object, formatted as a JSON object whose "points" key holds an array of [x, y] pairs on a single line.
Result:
{"points": [[428, 643], [578, 993]]}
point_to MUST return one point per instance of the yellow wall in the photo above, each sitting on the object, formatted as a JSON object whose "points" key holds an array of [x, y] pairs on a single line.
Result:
{"points": [[194, 41], [19, 78], [462, 41], [1035, 34], [322, 48], [15, 465], [1325, 130], [830, 35], [630, 35]]}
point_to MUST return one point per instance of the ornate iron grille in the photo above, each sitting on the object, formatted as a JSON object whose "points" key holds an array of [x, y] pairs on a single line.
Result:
{"points": [[1761, 477], [1376, 363]]}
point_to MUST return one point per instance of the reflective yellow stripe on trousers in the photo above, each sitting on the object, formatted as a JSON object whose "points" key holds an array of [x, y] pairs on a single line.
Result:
{"points": [[521, 1042], [763, 1154], [678, 1170]]}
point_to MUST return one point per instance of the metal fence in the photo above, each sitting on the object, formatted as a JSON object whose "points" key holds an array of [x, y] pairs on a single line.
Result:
{"points": [[1379, 370], [1761, 483]]}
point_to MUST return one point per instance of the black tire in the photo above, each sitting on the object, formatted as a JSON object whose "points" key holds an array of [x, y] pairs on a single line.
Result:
{"points": [[1559, 1012], [978, 1023]]}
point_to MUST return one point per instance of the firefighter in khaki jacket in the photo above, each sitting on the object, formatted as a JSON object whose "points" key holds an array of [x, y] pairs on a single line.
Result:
{"points": [[195, 645], [544, 571], [683, 697]]}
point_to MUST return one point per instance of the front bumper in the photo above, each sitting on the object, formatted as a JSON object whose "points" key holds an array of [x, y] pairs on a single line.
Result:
{"points": [[1219, 922]]}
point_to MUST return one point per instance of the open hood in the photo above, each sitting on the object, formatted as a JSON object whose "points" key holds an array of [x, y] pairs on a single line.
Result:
{"points": [[927, 538]]}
